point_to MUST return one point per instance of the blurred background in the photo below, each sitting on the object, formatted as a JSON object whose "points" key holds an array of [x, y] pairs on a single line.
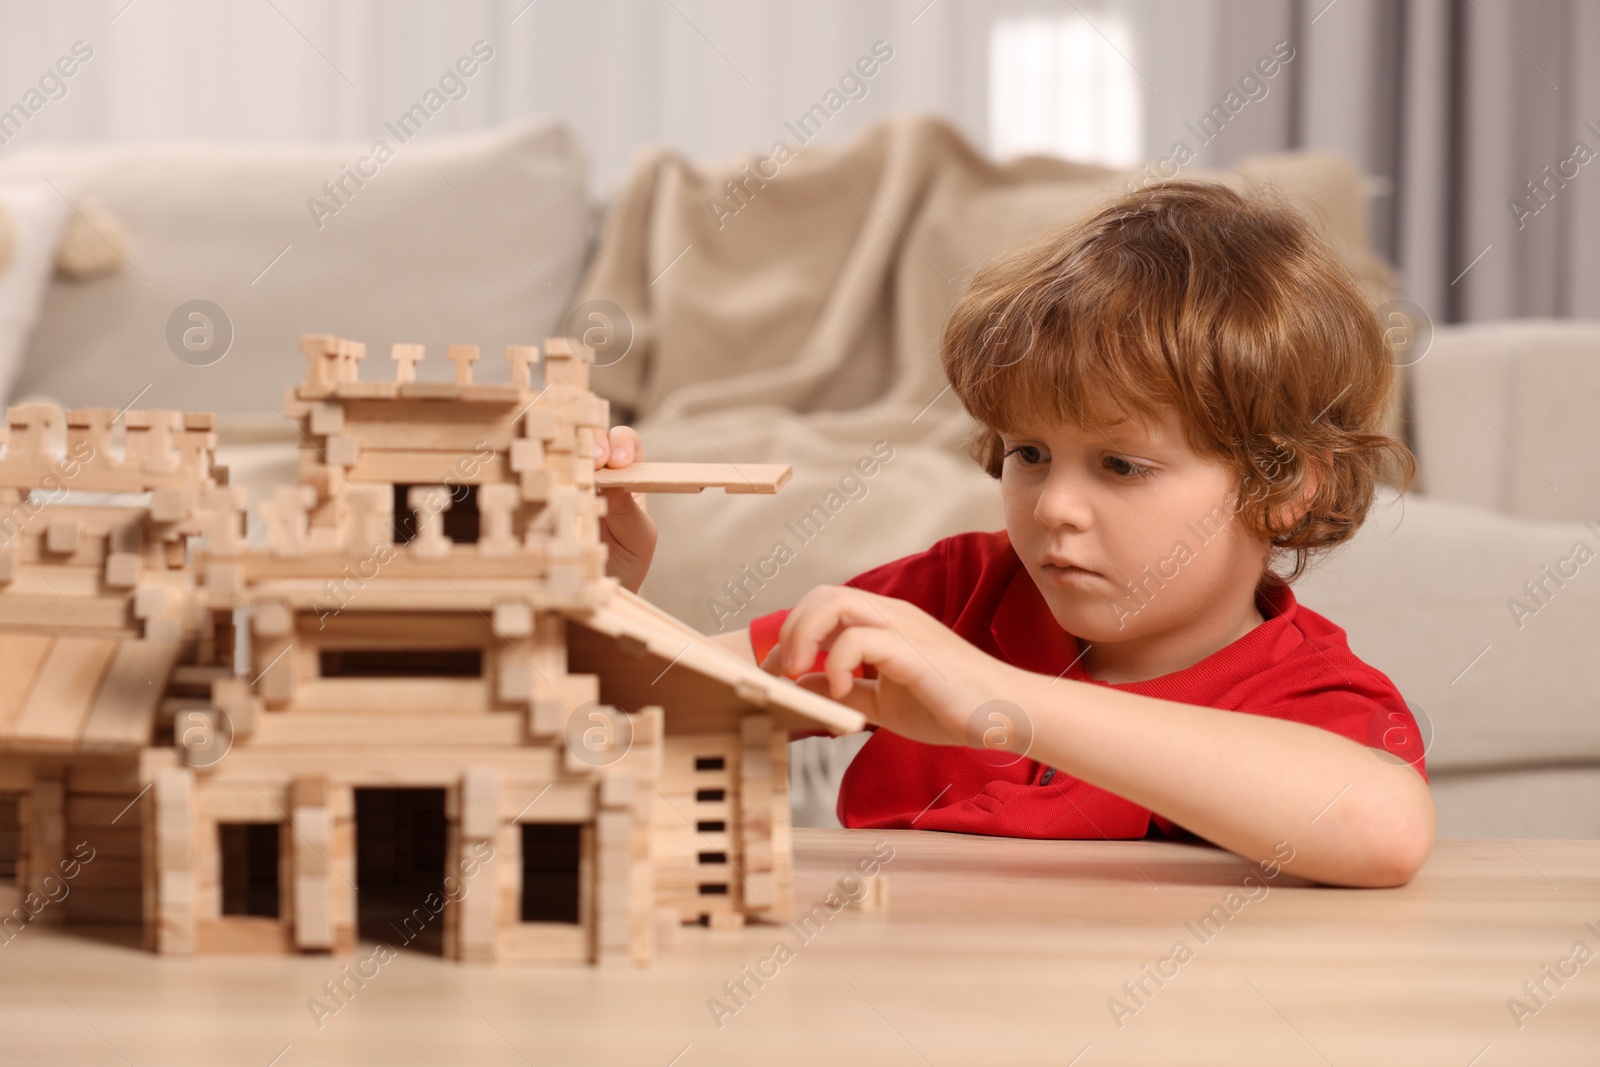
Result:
{"points": [[757, 214]]}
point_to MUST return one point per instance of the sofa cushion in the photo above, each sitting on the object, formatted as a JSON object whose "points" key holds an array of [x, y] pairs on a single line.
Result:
{"points": [[477, 238], [1505, 417], [1486, 623]]}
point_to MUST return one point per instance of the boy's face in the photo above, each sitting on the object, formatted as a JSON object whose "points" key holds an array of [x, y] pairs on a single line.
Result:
{"points": [[1120, 501]]}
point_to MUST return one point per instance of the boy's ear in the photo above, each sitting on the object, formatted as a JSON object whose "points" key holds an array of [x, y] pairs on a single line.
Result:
{"points": [[1314, 475]]}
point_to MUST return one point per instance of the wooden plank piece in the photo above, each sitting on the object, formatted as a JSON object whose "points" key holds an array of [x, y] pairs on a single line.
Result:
{"points": [[63, 691], [693, 477], [124, 708]]}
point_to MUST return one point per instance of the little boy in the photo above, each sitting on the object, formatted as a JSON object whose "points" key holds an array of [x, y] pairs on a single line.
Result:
{"points": [[1175, 393]]}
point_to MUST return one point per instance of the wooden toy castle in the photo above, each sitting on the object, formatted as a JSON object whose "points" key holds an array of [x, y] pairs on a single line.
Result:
{"points": [[421, 712]]}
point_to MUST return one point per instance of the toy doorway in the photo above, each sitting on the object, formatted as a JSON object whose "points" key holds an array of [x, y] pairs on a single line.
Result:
{"points": [[400, 860]]}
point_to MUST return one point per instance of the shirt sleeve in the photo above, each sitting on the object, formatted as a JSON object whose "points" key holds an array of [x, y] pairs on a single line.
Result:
{"points": [[1378, 720]]}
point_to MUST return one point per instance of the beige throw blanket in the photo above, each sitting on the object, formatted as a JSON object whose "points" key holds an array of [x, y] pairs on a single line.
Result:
{"points": [[788, 309]]}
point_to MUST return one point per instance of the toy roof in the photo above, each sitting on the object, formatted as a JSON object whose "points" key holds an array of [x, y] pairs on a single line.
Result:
{"points": [[81, 693], [692, 669]]}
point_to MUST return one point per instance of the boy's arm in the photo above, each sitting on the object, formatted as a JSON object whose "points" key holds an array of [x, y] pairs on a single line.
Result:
{"points": [[1351, 815], [1247, 782]]}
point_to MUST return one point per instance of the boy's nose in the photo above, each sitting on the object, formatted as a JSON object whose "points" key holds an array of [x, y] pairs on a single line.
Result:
{"points": [[1063, 503]]}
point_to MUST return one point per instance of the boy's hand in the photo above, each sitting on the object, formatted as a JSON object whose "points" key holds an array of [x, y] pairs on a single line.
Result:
{"points": [[629, 533], [931, 681]]}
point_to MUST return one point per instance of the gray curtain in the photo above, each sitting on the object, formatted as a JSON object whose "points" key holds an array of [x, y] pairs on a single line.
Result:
{"points": [[1455, 107]]}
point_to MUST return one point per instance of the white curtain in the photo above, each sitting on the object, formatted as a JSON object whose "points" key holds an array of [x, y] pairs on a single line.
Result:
{"points": [[1452, 106], [1455, 106], [710, 77]]}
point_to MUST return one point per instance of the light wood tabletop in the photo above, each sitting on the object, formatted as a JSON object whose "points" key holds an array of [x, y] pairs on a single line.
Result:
{"points": [[988, 951]]}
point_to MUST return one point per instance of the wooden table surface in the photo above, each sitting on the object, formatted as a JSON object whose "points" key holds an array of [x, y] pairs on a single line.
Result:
{"points": [[990, 951]]}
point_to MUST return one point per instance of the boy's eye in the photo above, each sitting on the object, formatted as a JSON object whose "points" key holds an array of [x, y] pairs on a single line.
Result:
{"points": [[1030, 453], [1127, 468]]}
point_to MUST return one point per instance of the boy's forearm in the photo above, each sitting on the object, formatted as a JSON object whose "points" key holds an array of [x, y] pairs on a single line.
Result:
{"points": [[1244, 782]]}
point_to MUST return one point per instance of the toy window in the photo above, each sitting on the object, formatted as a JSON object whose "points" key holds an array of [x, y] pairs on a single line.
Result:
{"points": [[460, 522], [10, 834], [401, 662], [249, 868], [550, 853]]}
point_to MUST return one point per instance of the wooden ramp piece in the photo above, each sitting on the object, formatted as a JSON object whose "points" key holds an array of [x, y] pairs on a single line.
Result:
{"points": [[123, 713], [63, 692], [629, 615], [693, 477]]}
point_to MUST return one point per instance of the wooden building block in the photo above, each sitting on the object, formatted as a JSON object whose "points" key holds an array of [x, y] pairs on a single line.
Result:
{"points": [[30, 426], [406, 358], [46, 839], [168, 505], [618, 790], [463, 356], [350, 354], [313, 839], [62, 536], [539, 423], [91, 427], [480, 803], [123, 570], [172, 820], [327, 418], [371, 517], [527, 454], [342, 451], [521, 358], [430, 502], [497, 504], [272, 618], [235, 698], [322, 365], [513, 677], [513, 618], [274, 672], [148, 443]]}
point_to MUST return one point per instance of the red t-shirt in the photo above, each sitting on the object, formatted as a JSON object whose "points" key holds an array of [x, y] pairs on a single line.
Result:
{"points": [[1296, 665]]}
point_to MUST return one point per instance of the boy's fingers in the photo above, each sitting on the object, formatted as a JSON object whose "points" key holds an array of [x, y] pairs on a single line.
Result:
{"points": [[862, 694], [617, 447], [819, 616]]}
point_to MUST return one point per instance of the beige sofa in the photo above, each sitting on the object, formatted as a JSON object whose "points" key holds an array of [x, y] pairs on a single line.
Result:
{"points": [[485, 239]]}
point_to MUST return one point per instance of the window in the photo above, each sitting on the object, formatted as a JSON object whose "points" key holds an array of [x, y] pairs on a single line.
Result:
{"points": [[460, 522], [711, 826], [710, 795], [10, 835], [249, 868], [550, 872], [401, 662], [1063, 85], [709, 763]]}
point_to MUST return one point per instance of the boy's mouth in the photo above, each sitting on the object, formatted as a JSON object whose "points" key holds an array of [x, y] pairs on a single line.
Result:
{"points": [[1066, 572]]}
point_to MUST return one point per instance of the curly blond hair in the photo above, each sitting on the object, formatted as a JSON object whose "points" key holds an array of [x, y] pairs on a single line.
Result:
{"points": [[1229, 308]]}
